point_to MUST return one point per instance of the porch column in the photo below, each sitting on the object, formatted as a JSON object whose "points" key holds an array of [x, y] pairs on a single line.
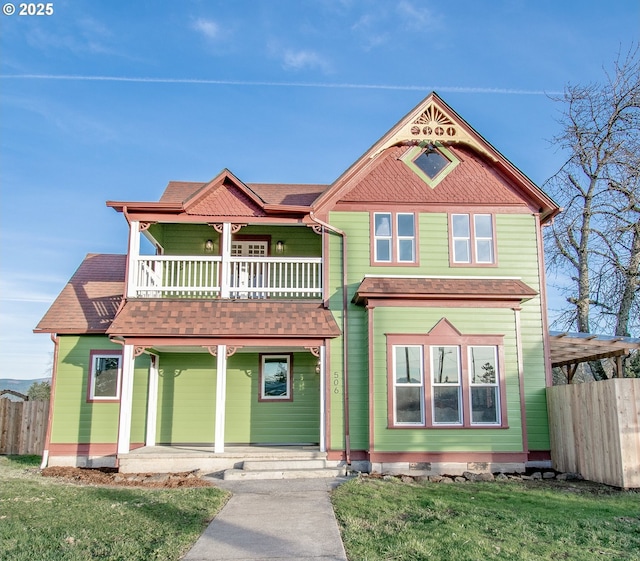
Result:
{"points": [[152, 403], [126, 399], [225, 251], [323, 399], [133, 256], [221, 391]]}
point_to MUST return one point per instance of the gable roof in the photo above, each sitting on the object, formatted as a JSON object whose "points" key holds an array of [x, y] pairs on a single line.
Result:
{"points": [[89, 301], [225, 195], [293, 194], [473, 182], [433, 121]]}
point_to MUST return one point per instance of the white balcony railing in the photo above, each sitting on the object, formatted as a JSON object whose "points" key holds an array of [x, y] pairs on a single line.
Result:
{"points": [[162, 276]]}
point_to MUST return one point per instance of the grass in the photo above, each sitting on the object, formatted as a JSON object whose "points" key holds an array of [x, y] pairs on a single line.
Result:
{"points": [[391, 520], [44, 519]]}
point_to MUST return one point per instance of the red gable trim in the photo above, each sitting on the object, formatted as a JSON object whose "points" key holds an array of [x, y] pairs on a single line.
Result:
{"points": [[529, 190]]}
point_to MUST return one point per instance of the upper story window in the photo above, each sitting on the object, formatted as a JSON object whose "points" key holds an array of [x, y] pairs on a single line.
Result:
{"points": [[431, 162], [104, 376], [394, 237], [472, 239]]}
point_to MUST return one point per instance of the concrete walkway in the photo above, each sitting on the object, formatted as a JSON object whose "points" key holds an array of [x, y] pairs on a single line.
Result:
{"points": [[273, 520]]}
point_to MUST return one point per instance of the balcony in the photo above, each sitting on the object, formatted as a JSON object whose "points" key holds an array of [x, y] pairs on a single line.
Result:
{"points": [[165, 276]]}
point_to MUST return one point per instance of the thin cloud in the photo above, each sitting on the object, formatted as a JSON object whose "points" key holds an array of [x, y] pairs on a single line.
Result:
{"points": [[288, 84], [209, 28], [418, 18], [301, 60]]}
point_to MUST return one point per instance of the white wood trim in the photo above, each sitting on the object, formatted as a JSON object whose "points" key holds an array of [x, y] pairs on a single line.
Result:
{"points": [[221, 391], [225, 280], [323, 401], [152, 401], [133, 255], [126, 399]]}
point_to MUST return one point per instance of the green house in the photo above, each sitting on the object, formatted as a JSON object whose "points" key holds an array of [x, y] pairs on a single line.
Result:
{"points": [[394, 320]]}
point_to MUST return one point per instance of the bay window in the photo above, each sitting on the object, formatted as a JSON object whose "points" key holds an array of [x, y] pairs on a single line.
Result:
{"points": [[446, 381]]}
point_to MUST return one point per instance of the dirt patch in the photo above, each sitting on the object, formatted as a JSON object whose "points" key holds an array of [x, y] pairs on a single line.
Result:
{"points": [[86, 476]]}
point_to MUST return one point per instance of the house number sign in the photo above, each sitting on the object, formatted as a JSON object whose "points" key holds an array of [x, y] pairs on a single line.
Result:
{"points": [[336, 382]]}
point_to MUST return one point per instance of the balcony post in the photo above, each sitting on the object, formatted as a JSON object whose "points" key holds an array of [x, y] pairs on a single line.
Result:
{"points": [[132, 257], [152, 403], [225, 265], [126, 400], [221, 391]]}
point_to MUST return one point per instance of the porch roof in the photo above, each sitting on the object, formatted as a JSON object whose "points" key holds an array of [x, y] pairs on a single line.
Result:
{"points": [[574, 348], [439, 288], [222, 318]]}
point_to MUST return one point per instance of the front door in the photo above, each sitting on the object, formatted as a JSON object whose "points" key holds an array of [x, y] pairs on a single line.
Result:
{"points": [[249, 274]]}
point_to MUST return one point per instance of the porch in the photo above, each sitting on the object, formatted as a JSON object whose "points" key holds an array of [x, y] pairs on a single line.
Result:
{"points": [[238, 462]]}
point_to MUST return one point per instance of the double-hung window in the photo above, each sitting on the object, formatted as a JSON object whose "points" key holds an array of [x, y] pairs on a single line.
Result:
{"points": [[105, 376], [394, 237], [483, 381], [446, 382], [408, 385], [472, 239]]}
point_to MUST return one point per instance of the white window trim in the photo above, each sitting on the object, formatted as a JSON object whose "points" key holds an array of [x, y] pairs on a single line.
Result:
{"points": [[412, 238], [92, 377], [455, 238], [435, 384], [481, 238], [388, 238], [472, 240], [408, 385], [288, 396], [495, 385]]}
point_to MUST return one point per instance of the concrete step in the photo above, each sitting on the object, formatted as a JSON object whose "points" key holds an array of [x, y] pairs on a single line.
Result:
{"points": [[317, 473], [283, 464]]}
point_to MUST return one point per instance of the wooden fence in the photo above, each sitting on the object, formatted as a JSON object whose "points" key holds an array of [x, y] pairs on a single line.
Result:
{"points": [[595, 430], [23, 426]]}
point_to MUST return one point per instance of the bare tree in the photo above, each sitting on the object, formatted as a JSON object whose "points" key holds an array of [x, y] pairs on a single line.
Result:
{"points": [[595, 242]]}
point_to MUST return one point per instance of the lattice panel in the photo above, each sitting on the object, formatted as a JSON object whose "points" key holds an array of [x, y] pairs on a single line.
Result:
{"points": [[432, 125], [434, 122]]}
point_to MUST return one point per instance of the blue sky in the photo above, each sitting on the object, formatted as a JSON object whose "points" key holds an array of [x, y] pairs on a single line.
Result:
{"points": [[110, 100]]}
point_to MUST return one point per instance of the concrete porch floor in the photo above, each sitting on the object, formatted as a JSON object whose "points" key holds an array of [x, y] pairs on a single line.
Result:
{"points": [[165, 459]]}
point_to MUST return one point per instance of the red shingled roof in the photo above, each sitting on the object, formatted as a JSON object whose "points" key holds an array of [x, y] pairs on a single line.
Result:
{"points": [[270, 193], [427, 288], [473, 181], [217, 318], [287, 194], [89, 301]]}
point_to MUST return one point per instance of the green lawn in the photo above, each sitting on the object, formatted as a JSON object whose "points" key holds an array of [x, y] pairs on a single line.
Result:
{"points": [[391, 520], [42, 519]]}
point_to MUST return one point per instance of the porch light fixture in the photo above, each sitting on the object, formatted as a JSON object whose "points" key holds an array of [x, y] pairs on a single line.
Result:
{"points": [[208, 246], [279, 246], [318, 367]]}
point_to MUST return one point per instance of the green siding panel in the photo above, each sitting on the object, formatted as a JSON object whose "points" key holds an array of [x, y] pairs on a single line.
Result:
{"points": [[189, 239], [186, 398], [517, 256], [77, 421], [187, 402], [249, 420]]}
